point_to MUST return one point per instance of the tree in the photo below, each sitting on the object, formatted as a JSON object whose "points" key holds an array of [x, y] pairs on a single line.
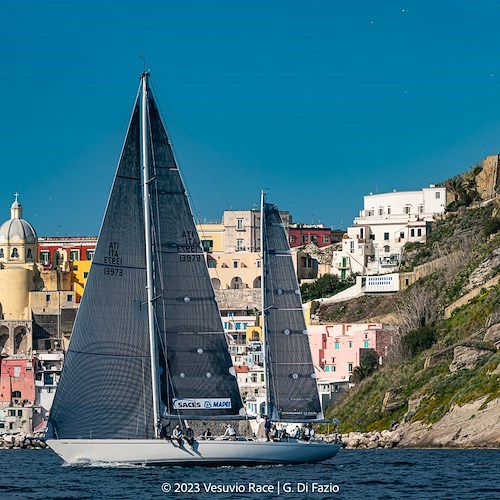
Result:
{"points": [[326, 286], [367, 365]]}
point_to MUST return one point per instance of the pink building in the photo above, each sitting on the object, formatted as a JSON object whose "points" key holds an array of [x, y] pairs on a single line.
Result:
{"points": [[17, 381], [336, 349]]}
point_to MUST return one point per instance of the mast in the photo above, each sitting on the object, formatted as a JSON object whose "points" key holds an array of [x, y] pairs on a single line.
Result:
{"points": [[144, 130], [263, 296]]}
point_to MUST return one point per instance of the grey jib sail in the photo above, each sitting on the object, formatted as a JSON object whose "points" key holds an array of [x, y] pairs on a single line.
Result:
{"points": [[191, 336], [105, 387], [293, 394]]}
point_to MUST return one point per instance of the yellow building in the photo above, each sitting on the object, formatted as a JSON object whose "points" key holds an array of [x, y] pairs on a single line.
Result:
{"points": [[79, 273], [212, 236]]}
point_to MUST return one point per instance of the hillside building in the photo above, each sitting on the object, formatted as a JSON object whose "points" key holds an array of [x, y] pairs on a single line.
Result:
{"points": [[388, 221], [337, 349]]}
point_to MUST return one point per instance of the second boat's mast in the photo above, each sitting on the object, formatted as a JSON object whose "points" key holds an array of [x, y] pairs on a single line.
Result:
{"points": [[263, 289], [149, 252]]}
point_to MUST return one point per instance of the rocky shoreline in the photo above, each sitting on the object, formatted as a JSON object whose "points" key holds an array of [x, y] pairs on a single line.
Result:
{"points": [[370, 440], [22, 442]]}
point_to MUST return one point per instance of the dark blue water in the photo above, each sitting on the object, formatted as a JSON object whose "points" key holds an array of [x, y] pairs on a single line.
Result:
{"points": [[353, 474]]}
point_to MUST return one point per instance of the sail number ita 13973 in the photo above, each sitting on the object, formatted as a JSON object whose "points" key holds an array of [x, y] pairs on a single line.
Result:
{"points": [[113, 259]]}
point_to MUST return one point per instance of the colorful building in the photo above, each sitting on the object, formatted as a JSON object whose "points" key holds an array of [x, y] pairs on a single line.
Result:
{"points": [[337, 349], [321, 236]]}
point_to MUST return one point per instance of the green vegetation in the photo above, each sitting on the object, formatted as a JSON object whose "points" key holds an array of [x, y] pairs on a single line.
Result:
{"points": [[367, 365], [326, 286], [417, 341], [469, 240]]}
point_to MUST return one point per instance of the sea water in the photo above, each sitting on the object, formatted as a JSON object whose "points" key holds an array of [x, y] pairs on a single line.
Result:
{"points": [[352, 474]]}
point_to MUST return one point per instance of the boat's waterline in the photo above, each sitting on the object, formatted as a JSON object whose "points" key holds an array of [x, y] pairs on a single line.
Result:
{"points": [[159, 452]]}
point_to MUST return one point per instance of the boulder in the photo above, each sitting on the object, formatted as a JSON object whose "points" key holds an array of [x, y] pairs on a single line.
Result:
{"points": [[493, 334], [466, 358]]}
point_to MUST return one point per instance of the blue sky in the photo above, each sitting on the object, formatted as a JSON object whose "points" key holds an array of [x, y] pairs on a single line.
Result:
{"points": [[320, 102]]}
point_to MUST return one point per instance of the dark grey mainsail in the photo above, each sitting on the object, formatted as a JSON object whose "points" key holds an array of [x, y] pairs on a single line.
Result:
{"points": [[191, 335], [105, 387], [292, 391], [107, 384]]}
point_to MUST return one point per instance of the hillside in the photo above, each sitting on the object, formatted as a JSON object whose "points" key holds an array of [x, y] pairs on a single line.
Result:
{"points": [[441, 385]]}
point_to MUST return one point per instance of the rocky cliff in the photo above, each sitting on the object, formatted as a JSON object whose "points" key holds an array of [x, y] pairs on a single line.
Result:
{"points": [[441, 386]]}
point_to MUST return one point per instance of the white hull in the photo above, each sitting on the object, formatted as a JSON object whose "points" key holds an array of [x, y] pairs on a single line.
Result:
{"points": [[216, 452]]}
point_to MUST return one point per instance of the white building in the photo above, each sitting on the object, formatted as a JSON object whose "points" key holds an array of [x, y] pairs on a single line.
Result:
{"points": [[388, 221]]}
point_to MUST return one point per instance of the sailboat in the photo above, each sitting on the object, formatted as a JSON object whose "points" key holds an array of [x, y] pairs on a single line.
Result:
{"points": [[148, 347]]}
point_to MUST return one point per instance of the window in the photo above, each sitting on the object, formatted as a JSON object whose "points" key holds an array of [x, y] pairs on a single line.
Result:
{"points": [[89, 254], [12, 413], [16, 394], [47, 298], [74, 255], [407, 209], [44, 257], [350, 345], [14, 254], [253, 378], [402, 235], [29, 254], [235, 263], [19, 412], [412, 232], [372, 236], [386, 236], [351, 249], [438, 195], [381, 211], [361, 232], [327, 368], [239, 245], [85, 275], [292, 239], [69, 298], [349, 367], [420, 209], [337, 344], [17, 371], [366, 344], [225, 325], [1, 253], [334, 368], [207, 245], [419, 232], [304, 238], [48, 378], [238, 326], [388, 210], [326, 239], [212, 264], [240, 224], [258, 263], [307, 263], [314, 238]]}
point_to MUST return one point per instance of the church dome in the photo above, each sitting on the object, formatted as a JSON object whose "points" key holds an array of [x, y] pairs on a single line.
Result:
{"points": [[16, 229]]}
